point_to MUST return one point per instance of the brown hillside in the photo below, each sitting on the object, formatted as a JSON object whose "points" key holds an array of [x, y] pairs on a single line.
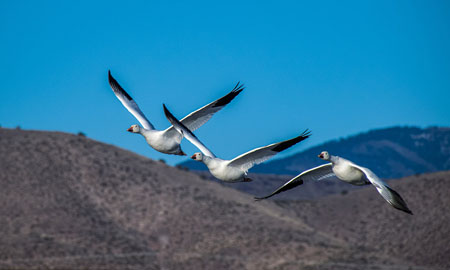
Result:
{"points": [[364, 219], [71, 202]]}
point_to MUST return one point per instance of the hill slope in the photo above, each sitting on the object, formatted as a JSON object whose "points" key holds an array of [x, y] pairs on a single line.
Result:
{"points": [[71, 202], [364, 219]]}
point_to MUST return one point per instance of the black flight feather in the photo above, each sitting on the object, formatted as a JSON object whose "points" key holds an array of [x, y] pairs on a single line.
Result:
{"points": [[288, 143], [116, 86], [287, 187], [173, 120], [398, 202], [230, 96]]}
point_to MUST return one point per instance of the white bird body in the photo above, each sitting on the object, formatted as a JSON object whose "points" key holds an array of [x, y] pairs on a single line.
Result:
{"points": [[220, 169], [159, 141], [168, 141], [234, 170], [345, 171], [348, 172]]}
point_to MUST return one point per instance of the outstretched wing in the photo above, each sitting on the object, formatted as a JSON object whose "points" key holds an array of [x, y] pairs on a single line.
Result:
{"points": [[196, 119], [390, 195], [128, 102], [182, 129], [259, 155], [315, 174]]}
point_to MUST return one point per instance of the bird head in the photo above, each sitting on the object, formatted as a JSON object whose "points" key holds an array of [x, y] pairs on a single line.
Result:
{"points": [[134, 129], [324, 155], [197, 156]]}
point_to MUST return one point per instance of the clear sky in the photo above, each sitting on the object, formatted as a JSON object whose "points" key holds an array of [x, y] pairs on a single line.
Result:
{"points": [[335, 67]]}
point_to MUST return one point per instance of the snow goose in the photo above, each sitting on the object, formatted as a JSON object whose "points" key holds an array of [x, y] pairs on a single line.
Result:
{"points": [[234, 170], [346, 171], [168, 141]]}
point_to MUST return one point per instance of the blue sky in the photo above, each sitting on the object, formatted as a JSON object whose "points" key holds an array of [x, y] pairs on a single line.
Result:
{"points": [[335, 67]]}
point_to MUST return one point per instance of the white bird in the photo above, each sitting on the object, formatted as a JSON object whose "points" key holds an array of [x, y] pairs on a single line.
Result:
{"points": [[168, 141], [346, 171], [234, 170]]}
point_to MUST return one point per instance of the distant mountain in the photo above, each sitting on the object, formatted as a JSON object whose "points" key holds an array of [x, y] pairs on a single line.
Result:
{"points": [[390, 153], [69, 202]]}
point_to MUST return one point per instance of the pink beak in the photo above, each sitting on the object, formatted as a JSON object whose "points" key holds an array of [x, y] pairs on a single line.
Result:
{"points": [[321, 155], [130, 129]]}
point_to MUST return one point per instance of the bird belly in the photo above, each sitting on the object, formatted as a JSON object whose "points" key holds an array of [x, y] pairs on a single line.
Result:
{"points": [[164, 145], [350, 175], [228, 174]]}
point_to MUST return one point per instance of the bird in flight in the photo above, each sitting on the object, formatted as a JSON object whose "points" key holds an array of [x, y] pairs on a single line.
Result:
{"points": [[168, 141]]}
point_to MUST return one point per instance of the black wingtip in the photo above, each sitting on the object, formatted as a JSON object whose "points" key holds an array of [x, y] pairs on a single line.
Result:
{"points": [[174, 121], [167, 113], [285, 187], [239, 87], [403, 209], [110, 77], [230, 96], [307, 133], [288, 143], [170, 116], [263, 198], [112, 82], [398, 202], [116, 86]]}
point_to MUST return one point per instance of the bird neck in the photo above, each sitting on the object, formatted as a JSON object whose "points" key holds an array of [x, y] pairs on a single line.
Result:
{"points": [[209, 162], [144, 132], [334, 159], [206, 159]]}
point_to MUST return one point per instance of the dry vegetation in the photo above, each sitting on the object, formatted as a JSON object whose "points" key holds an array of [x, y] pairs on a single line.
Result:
{"points": [[363, 218], [74, 203]]}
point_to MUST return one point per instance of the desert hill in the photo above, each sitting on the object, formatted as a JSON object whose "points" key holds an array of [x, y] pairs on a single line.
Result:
{"points": [[361, 218], [73, 203]]}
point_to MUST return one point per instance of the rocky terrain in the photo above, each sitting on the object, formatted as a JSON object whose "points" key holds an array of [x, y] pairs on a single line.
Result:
{"points": [[69, 202]]}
